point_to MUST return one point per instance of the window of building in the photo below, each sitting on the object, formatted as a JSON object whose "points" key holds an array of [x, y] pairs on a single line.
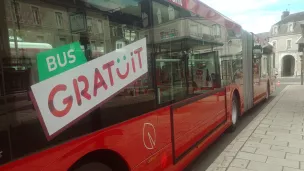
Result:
{"points": [[171, 13], [288, 44], [216, 30], [36, 15], [274, 44], [194, 29], [93, 45], [40, 39], [164, 12], [159, 16], [63, 41], [114, 31], [59, 19], [275, 30], [100, 48], [16, 11], [99, 26], [130, 34], [179, 2], [145, 19], [89, 24], [290, 27]]}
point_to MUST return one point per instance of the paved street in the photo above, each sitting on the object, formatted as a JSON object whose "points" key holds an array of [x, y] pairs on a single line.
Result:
{"points": [[208, 156], [273, 141]]}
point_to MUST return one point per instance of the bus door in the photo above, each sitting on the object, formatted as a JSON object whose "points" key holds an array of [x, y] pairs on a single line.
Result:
{"points": [[195, 117]]}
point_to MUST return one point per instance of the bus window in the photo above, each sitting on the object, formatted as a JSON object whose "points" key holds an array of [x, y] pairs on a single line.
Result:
{"points": [[172, 79], [202, 69], [110, 28], [186, 63]]}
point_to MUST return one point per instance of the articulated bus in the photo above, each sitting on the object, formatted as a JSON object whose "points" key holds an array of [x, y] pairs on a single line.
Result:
{"points": [[171, 77]]}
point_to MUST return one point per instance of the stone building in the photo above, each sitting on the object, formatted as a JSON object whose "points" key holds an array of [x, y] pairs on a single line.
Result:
{"points": [[284, 36], [50, 23]]}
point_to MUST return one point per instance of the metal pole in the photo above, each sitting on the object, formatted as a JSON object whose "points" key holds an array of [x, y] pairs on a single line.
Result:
{"points": [[302, 69], [301, 72]]}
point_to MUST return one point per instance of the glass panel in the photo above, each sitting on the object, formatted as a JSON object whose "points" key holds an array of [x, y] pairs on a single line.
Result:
{"points": [[100, 27], [171, 76], [203, 72], [186, 63]]}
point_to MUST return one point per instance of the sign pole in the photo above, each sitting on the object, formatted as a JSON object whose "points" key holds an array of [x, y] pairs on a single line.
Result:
{"points": [[302, 68]]}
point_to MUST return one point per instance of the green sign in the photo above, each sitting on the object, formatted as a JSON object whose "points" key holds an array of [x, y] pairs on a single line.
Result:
{"points": [[58, 60]]}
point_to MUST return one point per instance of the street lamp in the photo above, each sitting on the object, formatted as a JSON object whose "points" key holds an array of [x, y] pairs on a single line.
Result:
{"points": [[301, 56]]}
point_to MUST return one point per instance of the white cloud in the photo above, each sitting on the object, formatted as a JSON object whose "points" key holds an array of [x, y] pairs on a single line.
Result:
{"points": [[248, 13], [237, 6], [257, 21]]}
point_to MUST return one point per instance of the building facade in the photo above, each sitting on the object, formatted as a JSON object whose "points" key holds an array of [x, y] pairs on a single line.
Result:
{"points": [[284, 36]]}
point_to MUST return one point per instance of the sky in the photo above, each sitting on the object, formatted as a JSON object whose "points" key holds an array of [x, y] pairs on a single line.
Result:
{"points": [[255, 16]]}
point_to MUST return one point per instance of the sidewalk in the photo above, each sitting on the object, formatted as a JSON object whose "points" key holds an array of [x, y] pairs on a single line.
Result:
{"points": [[291, 83], [273, 141]]}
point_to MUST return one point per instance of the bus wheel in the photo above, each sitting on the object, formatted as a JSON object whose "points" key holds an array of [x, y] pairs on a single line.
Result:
{"points": [[235, 111], [94, 166]]}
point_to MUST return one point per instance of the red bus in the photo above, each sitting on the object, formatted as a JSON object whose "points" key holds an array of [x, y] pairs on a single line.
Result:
{"points": [[171, 77]]}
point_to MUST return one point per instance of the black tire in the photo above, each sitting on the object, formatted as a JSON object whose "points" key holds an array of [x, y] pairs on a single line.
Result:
{"points": [[93, 166], [235, 113]]}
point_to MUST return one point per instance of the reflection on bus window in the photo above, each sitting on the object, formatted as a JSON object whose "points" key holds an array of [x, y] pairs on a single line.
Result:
{"points": [[202, 72], [38, 26], [171, 76]]}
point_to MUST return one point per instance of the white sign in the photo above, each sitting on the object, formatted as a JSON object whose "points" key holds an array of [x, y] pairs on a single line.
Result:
{"points": [[65, 98]]}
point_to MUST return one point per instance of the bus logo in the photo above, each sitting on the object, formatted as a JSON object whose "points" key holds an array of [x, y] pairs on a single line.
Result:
{"points": [[65, 98], [149, 136]]}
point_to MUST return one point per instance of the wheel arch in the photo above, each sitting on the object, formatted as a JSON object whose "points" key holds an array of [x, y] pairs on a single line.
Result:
{"points": [[105, 156], [236, 92]]}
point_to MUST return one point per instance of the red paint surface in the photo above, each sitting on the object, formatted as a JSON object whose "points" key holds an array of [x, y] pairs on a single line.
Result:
{"points": [[191, 123], [127, 137]]}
